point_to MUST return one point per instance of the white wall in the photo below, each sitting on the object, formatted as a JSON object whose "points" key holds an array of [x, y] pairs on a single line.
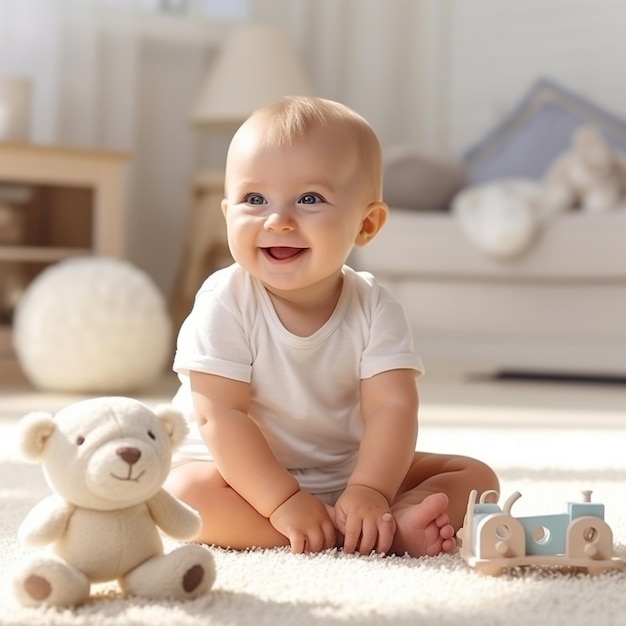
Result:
{"points": [[496, 48]]}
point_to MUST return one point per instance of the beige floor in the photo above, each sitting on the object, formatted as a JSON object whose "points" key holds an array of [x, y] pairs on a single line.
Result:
{"points": [[479, 400], [506, 423], [524, 426]]}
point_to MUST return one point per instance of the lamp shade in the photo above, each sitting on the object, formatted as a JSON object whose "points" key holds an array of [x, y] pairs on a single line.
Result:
{"points": [[257, 66]]}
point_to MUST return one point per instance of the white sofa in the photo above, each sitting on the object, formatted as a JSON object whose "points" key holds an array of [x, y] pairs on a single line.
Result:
{"points": [[560, 308]]}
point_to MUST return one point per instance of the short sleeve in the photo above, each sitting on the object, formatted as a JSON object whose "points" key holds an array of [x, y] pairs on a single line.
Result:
{"points": [[390, 345], [212, 339]]}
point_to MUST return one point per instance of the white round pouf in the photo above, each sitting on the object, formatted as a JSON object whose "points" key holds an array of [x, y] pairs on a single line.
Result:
{"points": [[92, 325]]}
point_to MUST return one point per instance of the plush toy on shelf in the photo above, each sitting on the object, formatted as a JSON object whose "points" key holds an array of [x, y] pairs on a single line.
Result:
{"points": [[106, 460], [590, 176]]}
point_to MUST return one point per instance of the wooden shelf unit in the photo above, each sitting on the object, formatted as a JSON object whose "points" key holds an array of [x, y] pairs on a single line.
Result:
{"points": [[70, 202]]}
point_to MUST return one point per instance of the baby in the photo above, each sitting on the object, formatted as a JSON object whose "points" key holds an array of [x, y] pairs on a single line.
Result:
{"points": [[298, 374]]}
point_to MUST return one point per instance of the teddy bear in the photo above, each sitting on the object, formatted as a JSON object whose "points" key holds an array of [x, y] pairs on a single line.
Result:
{"points": [[590, 176], [106, 460]]}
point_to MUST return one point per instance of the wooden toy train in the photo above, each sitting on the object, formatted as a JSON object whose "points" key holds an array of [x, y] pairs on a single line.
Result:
{"points": [[494, 541]]}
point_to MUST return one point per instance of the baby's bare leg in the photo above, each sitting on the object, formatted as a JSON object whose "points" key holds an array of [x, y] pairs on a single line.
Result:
{"points": [[227, 519], [431, 501]]}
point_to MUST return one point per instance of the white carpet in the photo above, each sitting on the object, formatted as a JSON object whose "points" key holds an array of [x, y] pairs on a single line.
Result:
{"points": [[548, 465]]}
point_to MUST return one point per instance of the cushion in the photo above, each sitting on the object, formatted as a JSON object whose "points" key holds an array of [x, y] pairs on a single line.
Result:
{"points": [[419, 182], [539, 129]]}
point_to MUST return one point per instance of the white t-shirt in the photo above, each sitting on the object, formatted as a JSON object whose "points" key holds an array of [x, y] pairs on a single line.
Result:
{"points": [[305, 390]]}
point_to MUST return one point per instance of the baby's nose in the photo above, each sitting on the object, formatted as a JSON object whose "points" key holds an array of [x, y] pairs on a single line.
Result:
{"points": [[128, 454], [280, 221]]}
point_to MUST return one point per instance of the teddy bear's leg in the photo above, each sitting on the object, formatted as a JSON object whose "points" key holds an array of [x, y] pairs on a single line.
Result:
{"points": [[602, 198], [50, 580], [187, 572]]}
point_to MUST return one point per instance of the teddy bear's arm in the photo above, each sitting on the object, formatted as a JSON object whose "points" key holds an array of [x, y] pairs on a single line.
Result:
{"points": [[174, 517], [46, 521]]}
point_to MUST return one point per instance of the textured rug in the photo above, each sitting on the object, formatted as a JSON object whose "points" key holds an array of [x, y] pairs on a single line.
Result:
{"points": [[275, 587]]}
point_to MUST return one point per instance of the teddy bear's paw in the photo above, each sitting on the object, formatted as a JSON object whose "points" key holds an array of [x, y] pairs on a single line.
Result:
{"points": [[200, 575], [52, 582], [37, 587], [193, 578], [184, 573]]}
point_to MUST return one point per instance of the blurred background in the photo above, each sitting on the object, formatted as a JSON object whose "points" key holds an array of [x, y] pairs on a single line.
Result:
{"points": [[142, 78]]}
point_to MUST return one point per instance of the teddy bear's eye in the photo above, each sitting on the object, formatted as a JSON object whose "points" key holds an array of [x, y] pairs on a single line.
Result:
{"points": [[80, 440], [151, 435]]}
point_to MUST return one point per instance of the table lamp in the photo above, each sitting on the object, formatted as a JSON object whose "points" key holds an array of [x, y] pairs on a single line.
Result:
{"points": [[256, 66]]}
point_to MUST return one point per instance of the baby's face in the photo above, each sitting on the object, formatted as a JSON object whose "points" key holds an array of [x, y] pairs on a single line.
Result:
{"points": [[295, 212]]}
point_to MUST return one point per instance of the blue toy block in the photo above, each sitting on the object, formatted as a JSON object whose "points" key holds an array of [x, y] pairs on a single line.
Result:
{"points": [[580, 509], [545, 534], [486, 508]]}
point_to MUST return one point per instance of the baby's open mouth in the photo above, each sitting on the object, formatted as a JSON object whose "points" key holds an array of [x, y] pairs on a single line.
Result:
{"points": [[281, 253]]}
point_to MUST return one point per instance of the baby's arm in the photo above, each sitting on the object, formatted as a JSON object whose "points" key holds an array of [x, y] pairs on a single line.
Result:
{"points": [[389, 403], [246, 462]]}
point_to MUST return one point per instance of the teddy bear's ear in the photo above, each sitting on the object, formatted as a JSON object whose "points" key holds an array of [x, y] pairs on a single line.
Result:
{"points": [[174, 423], [34, 429]]}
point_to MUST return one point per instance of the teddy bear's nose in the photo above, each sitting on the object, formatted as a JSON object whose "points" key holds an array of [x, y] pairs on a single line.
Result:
{"points": [[130, 455]]}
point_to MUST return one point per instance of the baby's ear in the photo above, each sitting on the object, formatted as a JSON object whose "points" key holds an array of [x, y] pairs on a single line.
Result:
{"points": [[375, 218], [174, 423], [34, 430]]}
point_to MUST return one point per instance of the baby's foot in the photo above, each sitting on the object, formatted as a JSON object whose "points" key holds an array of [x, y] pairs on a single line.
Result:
{"points": [[424, 529]]}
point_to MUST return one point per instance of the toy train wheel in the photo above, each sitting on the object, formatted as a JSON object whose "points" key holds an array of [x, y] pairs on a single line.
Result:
{"points": [[500, 536], [491, 570], [589, 538]]}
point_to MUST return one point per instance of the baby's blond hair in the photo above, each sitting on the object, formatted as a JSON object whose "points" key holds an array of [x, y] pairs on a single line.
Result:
{"points": [[292, 119]]}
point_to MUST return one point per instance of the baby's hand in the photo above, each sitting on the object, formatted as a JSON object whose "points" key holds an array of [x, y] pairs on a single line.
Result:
{"points": [[304, 520], [365, 520]]}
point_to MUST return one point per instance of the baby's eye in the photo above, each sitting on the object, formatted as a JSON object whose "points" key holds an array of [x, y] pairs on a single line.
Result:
{"points": [[310, 198], [254, 198]]}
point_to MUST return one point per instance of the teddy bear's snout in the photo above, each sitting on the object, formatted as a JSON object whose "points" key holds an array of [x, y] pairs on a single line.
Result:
{"points": [[128, 454]]}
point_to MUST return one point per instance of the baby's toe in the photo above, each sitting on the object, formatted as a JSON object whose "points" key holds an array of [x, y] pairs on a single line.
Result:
{"points": [[446, 532], [448, 545], [442, 520]]}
